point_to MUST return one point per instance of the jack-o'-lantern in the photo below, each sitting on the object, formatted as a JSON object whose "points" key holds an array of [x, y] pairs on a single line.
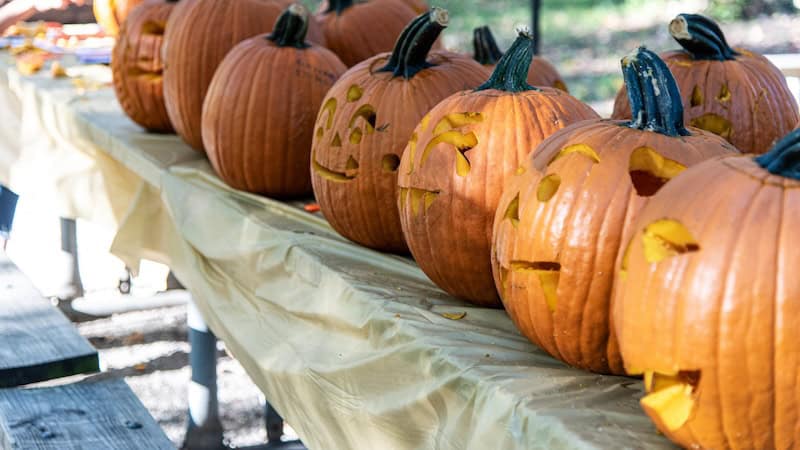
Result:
{"points": [[541, 73], [359, 30], [284, 80], [199, 34], [137, 66], [453, 169], [735, 93], [561, 221], [706, 306], [366, 121], [110, 14]]}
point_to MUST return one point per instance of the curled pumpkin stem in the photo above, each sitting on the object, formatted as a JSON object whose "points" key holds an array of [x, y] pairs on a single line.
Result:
{"points": [[486, 50], [701, 37], [784, 158], [338, 6], [411, 50], [291, 27], [653, 94], [511, 73]]}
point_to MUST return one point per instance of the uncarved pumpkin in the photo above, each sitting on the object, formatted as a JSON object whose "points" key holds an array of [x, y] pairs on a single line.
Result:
{"points": [[707, 302], [735, 93], [366, 121], [452, 172], [541, 73], [561, 221], [199, 34], [137, 66], [110, 14], [258, 116], [359, 30]]}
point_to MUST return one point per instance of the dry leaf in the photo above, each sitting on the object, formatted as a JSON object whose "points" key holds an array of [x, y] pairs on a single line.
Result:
{"points": [[454, 316]]}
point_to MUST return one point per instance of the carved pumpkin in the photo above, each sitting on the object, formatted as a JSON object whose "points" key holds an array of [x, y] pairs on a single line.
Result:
{"points": [[737, 94], [706, 305], [199, 34], [110, 14], [561, 221], [274, 85], [358, 30], [541, 73], [457, 160], [366, 121], [137, 66]]}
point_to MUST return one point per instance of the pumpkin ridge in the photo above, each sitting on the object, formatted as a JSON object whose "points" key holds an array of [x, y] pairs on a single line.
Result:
{"points": [[701, 37], [411, 50], [511, 73]]}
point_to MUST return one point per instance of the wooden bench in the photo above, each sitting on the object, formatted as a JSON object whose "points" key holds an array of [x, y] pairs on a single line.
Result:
{"points": [[38, 343]]}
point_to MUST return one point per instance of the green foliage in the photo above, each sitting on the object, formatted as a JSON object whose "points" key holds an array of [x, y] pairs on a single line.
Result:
{"points": [[748, 9]]}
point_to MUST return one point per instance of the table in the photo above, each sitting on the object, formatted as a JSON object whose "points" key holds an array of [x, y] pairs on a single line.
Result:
{"points": [[348, 344]]}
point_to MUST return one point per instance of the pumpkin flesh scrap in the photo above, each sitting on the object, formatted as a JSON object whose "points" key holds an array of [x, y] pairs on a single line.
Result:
{"points": [[670, 399]]}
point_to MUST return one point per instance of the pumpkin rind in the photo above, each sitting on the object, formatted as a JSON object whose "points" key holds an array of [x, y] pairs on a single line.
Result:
{"points": [[356, 31], [137, 66], [258, 115], [365, 123], [199, 34], [486, 52], [714, 295], [735, 93], [451, 175]]}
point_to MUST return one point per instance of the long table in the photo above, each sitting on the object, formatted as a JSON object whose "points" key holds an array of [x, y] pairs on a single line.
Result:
{"points": [[351, 346]]}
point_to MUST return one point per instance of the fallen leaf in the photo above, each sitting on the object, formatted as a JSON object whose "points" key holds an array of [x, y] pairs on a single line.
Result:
{"points": [[454, 316]]}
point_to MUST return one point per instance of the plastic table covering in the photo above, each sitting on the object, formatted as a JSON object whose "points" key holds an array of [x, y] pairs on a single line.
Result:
{"points": [[348, 344]]}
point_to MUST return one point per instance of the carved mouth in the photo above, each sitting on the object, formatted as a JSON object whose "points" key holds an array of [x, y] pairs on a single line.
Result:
{"points": [[350, 173], [671, 396], [420, 200], [548, 273]]}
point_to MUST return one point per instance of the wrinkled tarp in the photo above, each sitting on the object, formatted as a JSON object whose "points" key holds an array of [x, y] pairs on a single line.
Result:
{"points": [[348, 344]]}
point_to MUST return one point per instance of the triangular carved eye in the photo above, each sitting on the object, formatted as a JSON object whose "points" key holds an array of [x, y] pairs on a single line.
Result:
{"points": [[512, 211], [666, 238], [697, 97], [649, 170]]}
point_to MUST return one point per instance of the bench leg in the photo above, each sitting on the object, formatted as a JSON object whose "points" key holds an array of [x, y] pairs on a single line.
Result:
{"points": [[205, 429], [274, 425], [69, 244]]}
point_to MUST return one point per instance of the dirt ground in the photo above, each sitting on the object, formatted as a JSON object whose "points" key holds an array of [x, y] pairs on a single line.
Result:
{"points": [[149, 349]]}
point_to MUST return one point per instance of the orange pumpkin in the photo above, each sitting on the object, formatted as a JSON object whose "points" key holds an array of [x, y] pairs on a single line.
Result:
{"points": [[735, 93], [541, 73], [706, 306], [110, 14], [419, 6], [358, 30], [283, 80], [366, 121], [561, 221], [457, 161], [137, 66], [199, 34]]}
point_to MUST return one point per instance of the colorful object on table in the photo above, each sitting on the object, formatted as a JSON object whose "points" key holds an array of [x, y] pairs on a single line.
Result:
{"points": [[358, 30], [561, 221], [57, 70], [366, 121], [311, 208], [137, 66], [198, 36], [284, 80], [8, 206], [706, 303], [735, 93], [453, 170], [541, 72], [110, 14]]}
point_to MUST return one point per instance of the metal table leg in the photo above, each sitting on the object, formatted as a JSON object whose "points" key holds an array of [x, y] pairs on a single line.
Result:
{"points": [[205, 428], [69, 244]]}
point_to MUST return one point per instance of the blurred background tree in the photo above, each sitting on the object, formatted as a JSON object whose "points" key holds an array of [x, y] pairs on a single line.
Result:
{"points": [[749, 9]]}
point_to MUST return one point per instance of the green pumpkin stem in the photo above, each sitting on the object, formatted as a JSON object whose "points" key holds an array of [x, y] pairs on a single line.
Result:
{"points": [[338, 6], [415, 42], [784, 158], [291, 27], [487, 53], [653, 94], [701, 37], [511, 73]]}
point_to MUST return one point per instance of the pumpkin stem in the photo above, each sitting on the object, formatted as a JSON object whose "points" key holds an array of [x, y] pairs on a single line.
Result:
{"points": [[291, 27], [412, 47], [511, 73], [784, 158], [701, 37], [338, 6], [653, 94], [486, 50]]}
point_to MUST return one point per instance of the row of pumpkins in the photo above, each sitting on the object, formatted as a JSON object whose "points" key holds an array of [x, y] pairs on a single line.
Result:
{"points": [[519, 196]]}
